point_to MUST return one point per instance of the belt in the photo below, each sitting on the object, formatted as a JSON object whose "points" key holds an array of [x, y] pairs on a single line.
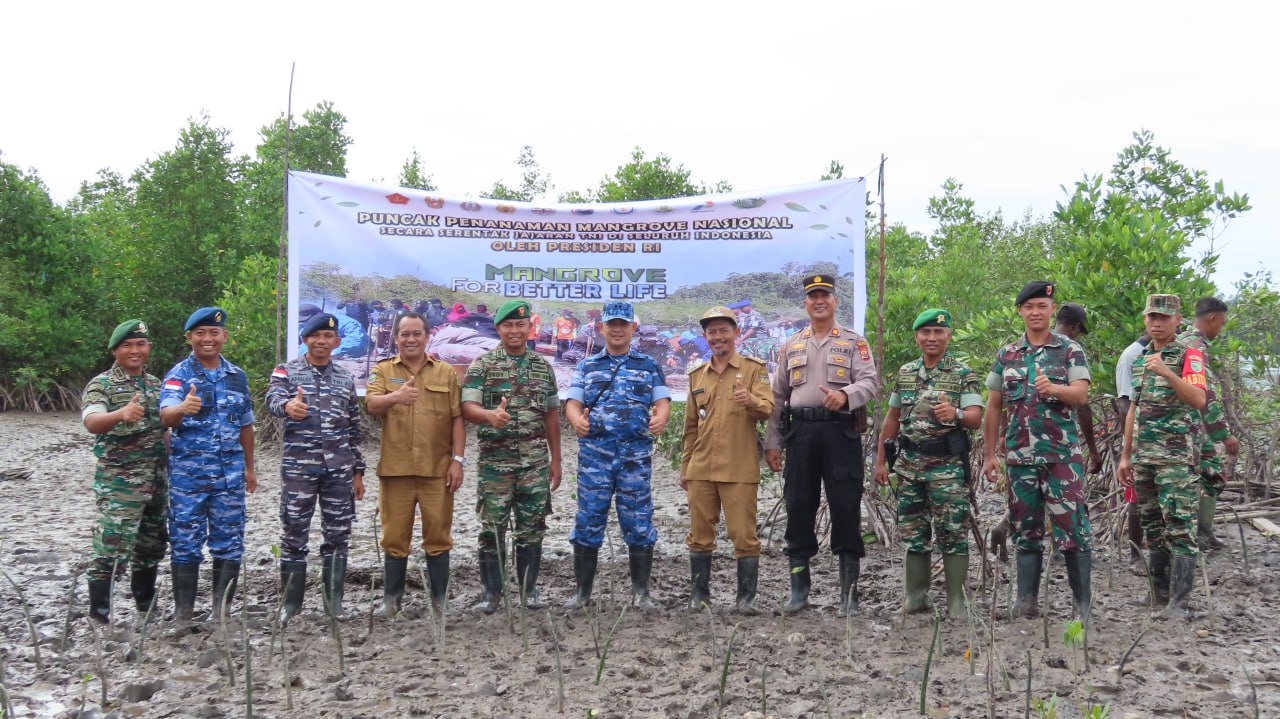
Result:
{"points": [[817, 414]]}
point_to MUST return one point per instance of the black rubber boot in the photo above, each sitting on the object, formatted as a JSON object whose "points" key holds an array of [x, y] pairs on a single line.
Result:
{"points": [[225, 575], [490, 583], [1080, 577], [849, 568], [584, 576], [333, 580], [438, 577], [100, 600], [1160, 577], [393, 572], [142, 584], [748, 578], [799, 599], [641, 567], [185, 579], [699, 579], [1182, 579], [293, 584], [1030, 565], [528, 564]]}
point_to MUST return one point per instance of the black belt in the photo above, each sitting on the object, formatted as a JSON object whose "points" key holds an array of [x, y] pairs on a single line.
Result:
{"points": [[932, 447], [817, 414]]}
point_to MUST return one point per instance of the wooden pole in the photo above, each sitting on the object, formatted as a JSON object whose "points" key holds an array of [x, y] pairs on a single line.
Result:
{"points": [[284, 222], [880, 277]]}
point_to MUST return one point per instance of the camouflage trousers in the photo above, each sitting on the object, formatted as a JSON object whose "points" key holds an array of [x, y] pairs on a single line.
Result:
{"points": [[618, 471], [1168, 501], [299, 491], [212, 512], [507, 490], [1211, 480], [1057, 489], [131, 528], [933, 508]]}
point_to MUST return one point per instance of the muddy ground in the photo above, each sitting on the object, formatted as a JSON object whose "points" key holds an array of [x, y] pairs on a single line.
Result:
{"points": [[668, 662]]}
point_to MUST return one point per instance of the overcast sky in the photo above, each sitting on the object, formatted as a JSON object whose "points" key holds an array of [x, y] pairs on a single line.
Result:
{"points": [[1013, 99]]}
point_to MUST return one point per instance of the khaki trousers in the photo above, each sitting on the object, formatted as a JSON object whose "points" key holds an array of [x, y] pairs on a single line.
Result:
{"points": [[738, 500], [397, 499]]}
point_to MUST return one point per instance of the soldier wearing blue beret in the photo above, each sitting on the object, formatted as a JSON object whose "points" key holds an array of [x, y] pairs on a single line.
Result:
{"points": [[205, 402]]}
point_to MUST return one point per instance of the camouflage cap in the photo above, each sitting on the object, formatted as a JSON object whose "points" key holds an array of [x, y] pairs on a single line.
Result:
{"points": [[718, 313], [1163, 305], [512, 310], [127, 330]]}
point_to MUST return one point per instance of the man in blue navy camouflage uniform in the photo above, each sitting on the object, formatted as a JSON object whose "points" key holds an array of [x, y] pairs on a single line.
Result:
{"points": [[608, 405], [321, 461], [205, 401]]}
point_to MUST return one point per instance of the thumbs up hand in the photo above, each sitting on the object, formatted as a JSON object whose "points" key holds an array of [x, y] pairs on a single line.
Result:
{"points": [[740, 393], [581, 422], [296, 408], [834, 400], [498, 418], [133, 411], [1043, 385], [944, 411], [408, 393], [191, 404]]}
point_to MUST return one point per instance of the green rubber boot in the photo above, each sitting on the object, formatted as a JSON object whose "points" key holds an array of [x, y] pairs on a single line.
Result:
{"points": [[917, 571]]}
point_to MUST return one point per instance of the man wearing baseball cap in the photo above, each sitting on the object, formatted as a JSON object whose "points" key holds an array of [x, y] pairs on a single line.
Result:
{"points": [[1072, 322]]}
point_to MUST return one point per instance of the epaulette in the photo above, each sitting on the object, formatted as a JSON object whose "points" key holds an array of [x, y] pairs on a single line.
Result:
{"points": [[697, 365], [757, 360]]}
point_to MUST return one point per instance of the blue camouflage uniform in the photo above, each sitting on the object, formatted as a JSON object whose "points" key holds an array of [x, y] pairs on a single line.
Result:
{"points": [[614, 457], [320, 455], [206, 461]]}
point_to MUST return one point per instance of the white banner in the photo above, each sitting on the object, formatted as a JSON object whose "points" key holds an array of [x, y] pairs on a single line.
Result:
{"points": [[366, 253]]}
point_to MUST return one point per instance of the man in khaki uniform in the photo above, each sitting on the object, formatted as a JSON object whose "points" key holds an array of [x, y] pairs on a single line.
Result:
{"points": [[824, 381], [423, 440], [719, 466]]}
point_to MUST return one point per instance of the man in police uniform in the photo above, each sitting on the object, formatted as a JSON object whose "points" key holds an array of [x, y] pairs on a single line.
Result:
{"points": [[719, 464], [120, 407], [511, 394], [421, 460], [1211, 315], [618, 402], [936, 400], [1041, 378], [205, 401], [321, 460], [1160, 434], [824, 380]]}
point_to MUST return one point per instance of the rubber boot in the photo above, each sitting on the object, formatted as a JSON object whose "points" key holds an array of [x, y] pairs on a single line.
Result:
{"points": [[1030, 565], [584, 576], [1182, 578], [100, 600], [699, 579], [528, 564], [1205, 537], [225, 574], [142, 584], [918, 570], [799, 599], [333, 579], [490, 583], [438, 577], [1159, 578], [748, 578], [849, 568], [955, 570], [185, 579], [1136, 565], [1080, 578], [641, 566], [293, 585], [393, 572]]}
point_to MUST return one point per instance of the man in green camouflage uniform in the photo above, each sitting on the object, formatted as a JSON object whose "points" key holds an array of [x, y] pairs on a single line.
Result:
{"points": [[1211, 315], [1159, 451], [936, 400], [121, 407], [510, 393]]}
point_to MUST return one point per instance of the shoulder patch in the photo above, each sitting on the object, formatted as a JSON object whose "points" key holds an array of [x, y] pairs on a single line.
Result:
{"points": [[864, 351]]}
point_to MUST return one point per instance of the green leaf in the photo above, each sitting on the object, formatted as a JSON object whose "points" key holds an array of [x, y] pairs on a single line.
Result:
{"points": [[796, 207]]}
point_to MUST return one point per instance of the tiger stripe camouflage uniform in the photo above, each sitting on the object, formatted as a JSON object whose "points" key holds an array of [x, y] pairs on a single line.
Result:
{"points": [[1042, 448], [932, 487], [319, 457], [1213, 427], [130, 482]]}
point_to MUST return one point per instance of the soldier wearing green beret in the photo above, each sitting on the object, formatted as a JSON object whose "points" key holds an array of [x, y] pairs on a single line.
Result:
{"points": [[121, 407], [511, 394], [936, 401]]}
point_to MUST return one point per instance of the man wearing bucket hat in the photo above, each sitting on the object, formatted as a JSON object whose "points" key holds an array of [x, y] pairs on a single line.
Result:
{"points": [[510, 394], [320, 462], [121, 408]]}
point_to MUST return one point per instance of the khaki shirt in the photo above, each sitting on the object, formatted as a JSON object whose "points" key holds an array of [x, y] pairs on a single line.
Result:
{"points": [[719, 434], [417, 440], [841, 361]]}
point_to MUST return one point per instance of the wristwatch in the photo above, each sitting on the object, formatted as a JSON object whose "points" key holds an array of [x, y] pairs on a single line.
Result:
{"points": [[460, 459], [959, 414]]}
